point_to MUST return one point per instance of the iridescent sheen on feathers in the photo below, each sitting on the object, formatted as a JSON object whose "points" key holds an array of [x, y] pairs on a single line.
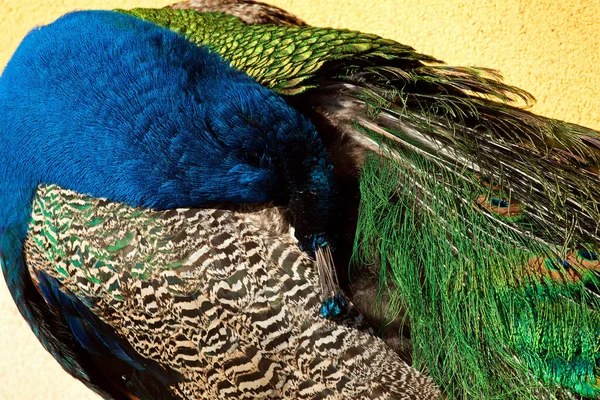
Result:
{"points": [[477, 217]]}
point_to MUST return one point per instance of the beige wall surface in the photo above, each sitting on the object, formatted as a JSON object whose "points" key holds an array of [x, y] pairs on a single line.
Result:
{"points": [[550, 48]]}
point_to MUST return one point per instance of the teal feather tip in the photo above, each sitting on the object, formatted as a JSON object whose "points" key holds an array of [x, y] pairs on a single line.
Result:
{"points": [[333, 306]]}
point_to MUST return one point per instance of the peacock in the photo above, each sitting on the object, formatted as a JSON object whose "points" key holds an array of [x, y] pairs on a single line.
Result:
{"points": [[215, 200]]}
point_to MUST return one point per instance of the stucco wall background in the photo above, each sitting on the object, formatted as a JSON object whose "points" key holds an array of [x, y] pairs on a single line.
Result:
{"points": [[549, 48]]}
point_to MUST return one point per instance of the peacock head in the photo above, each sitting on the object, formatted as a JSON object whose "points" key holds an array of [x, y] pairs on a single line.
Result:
{"points": [[109, 105]]}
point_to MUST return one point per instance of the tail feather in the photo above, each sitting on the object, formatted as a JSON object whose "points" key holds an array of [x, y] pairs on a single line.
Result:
{"points": [[469, 127], [475, 209]]}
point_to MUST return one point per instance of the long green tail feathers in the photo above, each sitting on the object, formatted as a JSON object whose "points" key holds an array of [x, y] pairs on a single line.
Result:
{"points": [[486, 219], [484, 323]]}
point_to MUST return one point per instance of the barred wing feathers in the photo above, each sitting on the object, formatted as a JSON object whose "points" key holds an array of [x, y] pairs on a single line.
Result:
{"points": [[223, 297]]}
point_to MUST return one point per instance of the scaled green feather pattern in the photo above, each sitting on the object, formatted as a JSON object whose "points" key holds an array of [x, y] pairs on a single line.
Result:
{"points": [[281, 58]]}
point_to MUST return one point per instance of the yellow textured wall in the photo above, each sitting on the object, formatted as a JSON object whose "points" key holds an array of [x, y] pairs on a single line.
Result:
{"points": [[550, 48]]}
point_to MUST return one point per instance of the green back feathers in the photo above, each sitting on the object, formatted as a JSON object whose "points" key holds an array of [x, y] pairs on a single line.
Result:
{"points": [[281, 58]]}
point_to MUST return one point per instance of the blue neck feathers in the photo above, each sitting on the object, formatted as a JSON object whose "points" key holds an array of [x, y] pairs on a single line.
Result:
{"points": [[111, 106]]}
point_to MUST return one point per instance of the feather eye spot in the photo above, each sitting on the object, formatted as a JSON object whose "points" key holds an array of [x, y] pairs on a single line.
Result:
{"points": [[557, 269], [499, 206], [574, 267], [496, 202], [587, 255], [557, 264]]}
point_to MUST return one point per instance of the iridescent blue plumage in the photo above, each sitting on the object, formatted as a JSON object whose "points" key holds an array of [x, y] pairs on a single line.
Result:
{"points": [[333, 306], [182, 127]]}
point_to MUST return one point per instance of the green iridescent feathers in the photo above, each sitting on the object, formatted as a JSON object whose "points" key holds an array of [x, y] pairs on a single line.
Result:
{"points": [[483, 217], [281, 58], [486, 317], [473, 213]]}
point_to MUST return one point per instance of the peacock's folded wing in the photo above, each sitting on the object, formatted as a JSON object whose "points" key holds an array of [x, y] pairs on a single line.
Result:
{"points": [[224, 299]]}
